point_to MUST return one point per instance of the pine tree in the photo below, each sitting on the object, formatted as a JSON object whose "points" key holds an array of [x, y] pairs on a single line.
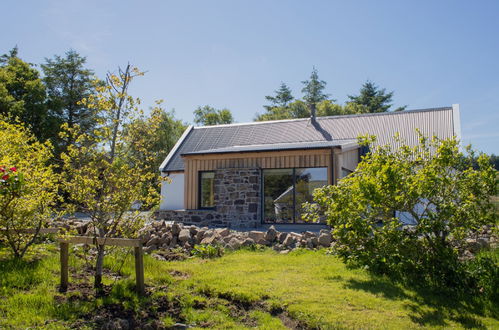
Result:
{"points": [[373, 98], [283, 96]]}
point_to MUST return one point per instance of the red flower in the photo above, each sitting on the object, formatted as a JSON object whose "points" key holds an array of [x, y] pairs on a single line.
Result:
{"points": [[5, 177], [13, 169], [2, 169]]}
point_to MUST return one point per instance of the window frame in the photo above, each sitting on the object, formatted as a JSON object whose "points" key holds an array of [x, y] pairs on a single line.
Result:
{"points": [[262, 192], [200, 191]]}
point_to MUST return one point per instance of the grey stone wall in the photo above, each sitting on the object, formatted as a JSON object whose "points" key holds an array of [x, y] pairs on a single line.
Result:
{"points": [[237, 202]]}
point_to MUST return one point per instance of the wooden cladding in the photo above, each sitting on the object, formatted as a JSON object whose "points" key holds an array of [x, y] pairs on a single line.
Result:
{"points": [[276, 159]]}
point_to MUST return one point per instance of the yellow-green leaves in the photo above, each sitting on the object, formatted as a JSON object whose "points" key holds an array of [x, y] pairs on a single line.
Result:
{"points": [[30, 205]]}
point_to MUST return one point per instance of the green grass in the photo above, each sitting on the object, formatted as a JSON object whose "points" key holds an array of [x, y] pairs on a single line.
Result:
{"points": [[243, 289]]}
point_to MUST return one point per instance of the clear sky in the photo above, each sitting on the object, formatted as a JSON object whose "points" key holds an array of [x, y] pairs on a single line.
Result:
{"points": [[233, 53]]}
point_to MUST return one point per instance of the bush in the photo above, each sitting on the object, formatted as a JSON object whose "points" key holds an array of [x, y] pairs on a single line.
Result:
{"points": [[28, 186], [436, 185], [207, 251]]}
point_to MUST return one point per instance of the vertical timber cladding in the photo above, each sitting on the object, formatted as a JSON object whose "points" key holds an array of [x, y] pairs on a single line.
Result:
{"points": [[274, 159]]}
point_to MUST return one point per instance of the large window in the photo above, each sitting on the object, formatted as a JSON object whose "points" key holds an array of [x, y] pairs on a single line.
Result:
{"points": [[206, 189], [284, 190]]}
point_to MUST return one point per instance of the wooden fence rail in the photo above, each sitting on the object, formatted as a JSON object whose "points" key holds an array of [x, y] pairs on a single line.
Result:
{"points": [[124, 242]]}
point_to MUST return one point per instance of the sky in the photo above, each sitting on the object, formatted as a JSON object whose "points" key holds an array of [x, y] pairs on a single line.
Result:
{"points": [[230, 54]]}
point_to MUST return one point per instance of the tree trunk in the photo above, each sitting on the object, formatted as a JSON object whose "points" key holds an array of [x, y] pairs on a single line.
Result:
{"points": [[98, 268]]}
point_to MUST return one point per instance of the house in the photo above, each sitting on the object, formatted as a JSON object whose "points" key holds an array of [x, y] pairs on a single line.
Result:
{"points": [[248, 174]]}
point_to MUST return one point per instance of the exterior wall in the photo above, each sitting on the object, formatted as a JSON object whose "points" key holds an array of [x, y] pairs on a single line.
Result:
{"points": [[237, 200], [351, 159], [261, 160], [172, 193]]}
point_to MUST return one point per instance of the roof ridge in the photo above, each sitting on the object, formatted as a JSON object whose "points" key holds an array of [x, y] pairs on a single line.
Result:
{"points": [[326, 117]]}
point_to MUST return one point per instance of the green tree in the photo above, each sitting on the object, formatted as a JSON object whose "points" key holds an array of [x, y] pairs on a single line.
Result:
{"points": [[23, 95], [208, 116], [68, 82], [313, 90], [436, 184], [28, 186], [283, 96], [149, 139], [373, 99], [99, 178]]}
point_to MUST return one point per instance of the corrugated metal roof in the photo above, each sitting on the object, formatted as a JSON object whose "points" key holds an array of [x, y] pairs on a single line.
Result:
{"points": [[275, 147], [436, 121]]}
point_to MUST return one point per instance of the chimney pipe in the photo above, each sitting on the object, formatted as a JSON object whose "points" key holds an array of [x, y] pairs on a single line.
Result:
{"points": [[312, 113]]}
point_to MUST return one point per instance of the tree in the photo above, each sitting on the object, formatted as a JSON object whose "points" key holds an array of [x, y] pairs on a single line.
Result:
{"points": [[68, 82], [314, 90], [208, 116], [22, 94], [281, 99], [150, 139], [373, 99], [28, 186], [436, 184], [99, 178]]}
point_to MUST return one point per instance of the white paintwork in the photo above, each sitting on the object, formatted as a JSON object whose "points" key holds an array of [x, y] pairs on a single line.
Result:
{"points": [[172, 193]]}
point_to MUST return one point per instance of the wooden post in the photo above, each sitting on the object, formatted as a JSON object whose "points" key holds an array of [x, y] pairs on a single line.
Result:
{"points": [[139, 270], [64, 246]]}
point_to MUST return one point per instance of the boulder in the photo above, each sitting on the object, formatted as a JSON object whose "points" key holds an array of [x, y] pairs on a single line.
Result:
{"points": [[256, 235], [184, 235], [308, 234], [200, 235], [290, 241], [165, 239], [263, 241], [271, 234], [193, 230], [223, 232], [248, 242], [153, 241], [325, 239], [117, 324], [209, 240], [282, 237], [234, 243], [176, 228], [82, 227]]}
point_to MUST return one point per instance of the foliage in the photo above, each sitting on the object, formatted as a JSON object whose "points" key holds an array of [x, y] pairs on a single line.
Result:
{"points": [[28, 186], [373, 99], [313, 89], [99, 178], [208, 116], [207, 251], [283, 96], [433, 182], [23, 95], [149, 139], [68, 82]]}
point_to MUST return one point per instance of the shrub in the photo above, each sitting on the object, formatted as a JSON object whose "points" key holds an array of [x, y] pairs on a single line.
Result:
{"points": [[433, 182], [28, 186], [207, 251]]}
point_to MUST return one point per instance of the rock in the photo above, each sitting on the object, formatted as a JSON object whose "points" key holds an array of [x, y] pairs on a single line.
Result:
{"points": [[81, 228], [263, 241], [165, 238], [184, 235], [484, 243], [282, 237], [209, 240], [271, 234], [290, 241], [150, 248], [256, 235], [179, 326], [176, 228], [308, 234], [324, 231], [200, 235], [117, 324], [234, 243], [153, 241], [248, 242], [222, 232], [193, 230], [325, 239], [315, 241], [174, 242], [284, 252]]}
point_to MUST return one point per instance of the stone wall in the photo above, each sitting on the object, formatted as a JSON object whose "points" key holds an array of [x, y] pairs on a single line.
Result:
{"points": [[237, 202]]}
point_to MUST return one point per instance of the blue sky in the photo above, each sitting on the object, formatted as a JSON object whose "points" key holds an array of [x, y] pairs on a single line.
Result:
{"points": [[233, 53]]}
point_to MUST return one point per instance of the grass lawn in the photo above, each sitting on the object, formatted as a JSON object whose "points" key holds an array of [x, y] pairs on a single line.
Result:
{"points": [[244, 289]]}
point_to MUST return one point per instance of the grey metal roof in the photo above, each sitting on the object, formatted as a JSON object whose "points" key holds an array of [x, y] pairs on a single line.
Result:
{"points": [[272, 134], [275, 147]]}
